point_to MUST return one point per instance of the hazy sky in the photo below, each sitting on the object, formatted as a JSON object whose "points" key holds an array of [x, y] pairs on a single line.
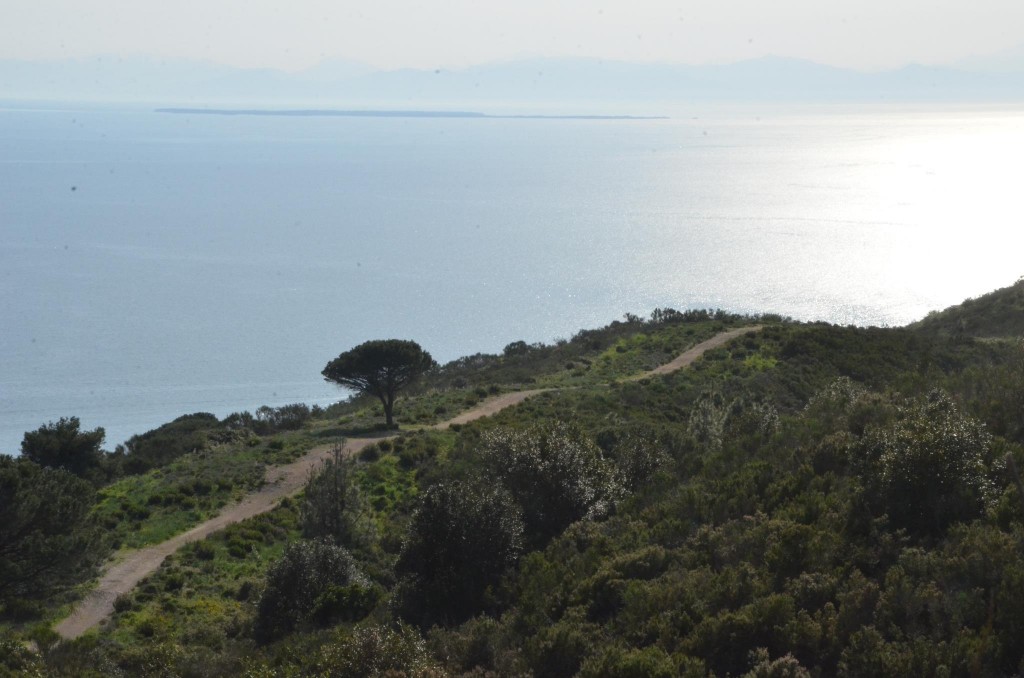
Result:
{"points": [[867, 34]]}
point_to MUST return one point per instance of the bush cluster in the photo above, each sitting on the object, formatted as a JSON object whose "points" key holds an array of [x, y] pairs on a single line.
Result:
{"points": [[315, 582]]}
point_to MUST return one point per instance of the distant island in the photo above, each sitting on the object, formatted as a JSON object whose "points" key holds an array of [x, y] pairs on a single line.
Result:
{"points": [[315, 112], [576, 81]]}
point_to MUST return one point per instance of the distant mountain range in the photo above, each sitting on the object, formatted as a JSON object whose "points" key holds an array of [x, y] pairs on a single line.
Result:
{"points": [[539, 82]]}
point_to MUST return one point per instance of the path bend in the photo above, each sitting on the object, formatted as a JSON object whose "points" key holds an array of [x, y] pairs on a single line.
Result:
{"points": [[286, 481]]}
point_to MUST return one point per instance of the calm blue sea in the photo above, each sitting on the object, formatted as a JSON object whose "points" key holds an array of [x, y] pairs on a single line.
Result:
{"points": [[155, 264]]}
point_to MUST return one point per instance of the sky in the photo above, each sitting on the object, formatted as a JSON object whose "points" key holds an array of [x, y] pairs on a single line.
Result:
{"points": [[389, 34]]}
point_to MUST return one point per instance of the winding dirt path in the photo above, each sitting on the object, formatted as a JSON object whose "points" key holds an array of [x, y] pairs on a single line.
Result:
{"points": [[286, 481], [691, 355]]}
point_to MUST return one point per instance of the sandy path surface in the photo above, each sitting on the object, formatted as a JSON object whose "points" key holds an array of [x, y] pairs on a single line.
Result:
{"points": [[285, 481], [122, 576], [690, 356], [491, 406]]}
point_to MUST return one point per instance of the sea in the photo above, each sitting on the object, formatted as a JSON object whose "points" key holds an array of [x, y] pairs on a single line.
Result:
{"points": [[157, 264]]}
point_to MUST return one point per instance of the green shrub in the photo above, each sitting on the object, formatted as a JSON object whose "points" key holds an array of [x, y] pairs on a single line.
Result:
{"points": [[411, 458], [309, 584], [638, 458], [376, 651], [346, 603], [166, 443], [17, 661], [783, 667], [556, 474], [461, 540], [238, 548], [123, 602], [333, 507], [47, 538], [649, 662], [204, 550], [286, 418], [928, 470]]}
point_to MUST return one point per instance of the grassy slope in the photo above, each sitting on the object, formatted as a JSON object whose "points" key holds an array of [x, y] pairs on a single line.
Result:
{"points": [[692, 543], [144, 509]]}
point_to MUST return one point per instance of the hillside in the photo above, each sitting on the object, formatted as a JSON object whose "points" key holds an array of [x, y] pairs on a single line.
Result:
{"points": [[996, 314], [803, 500]]}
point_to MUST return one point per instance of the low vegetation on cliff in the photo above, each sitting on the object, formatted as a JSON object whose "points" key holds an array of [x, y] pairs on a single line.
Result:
{"points": [[806, 500]]}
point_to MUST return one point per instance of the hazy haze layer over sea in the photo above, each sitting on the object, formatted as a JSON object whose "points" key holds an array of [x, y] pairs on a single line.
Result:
{"points": [[153, 265]]}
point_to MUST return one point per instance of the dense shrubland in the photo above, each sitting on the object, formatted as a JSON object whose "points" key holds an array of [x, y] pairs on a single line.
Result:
{"points": [[203, 431], [315, 582], [47, 540], [996, 314], [334, 505], [809, 500], [63, 445], [462, 537], [590, 356]]}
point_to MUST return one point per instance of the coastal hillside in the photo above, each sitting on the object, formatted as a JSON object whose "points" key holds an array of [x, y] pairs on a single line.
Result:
{"points": [[996, 314], [791, 499]]}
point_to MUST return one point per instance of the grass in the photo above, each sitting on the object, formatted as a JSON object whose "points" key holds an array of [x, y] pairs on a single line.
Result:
{"points": [[387, 483], [633, 354], [203, 597], [588, 362], [364, 416], [146, 509], [149, 508], [205, 593]]}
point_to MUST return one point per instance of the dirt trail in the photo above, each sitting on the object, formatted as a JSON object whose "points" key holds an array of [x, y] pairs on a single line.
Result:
{"points": [[491, 406], [690, 356], [285, 481]]}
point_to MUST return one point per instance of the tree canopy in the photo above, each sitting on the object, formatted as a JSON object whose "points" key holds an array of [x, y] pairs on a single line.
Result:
{"points": [[555, 473], [333, 507], [929, 467], [380, 368], [462, 538], [47, 540], [314, 581], [63, 445]]}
